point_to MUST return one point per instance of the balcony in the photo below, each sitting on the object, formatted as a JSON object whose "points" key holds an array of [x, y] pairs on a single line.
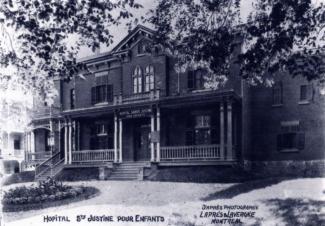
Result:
{"points": [[138, 97], [45, 112]]}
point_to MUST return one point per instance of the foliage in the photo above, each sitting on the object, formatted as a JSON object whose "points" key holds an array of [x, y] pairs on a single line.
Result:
{"points": [[278, 35], [49, 190], [42, 48]]}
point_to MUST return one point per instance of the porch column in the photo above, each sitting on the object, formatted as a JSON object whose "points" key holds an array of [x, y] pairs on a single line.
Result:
{"points": [[26, 146], [222, 132], [78, 136], [27, 142], [52, 137], [115, 138], [70, 142], [74, 136], [32, 141], [152, 145], [66, 143], [229, 130], [158, 132], [120, 139], [59, 139]]}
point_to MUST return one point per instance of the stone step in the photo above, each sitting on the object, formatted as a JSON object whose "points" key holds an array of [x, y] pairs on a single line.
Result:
{"points": [[123, 177], [126, 170]]}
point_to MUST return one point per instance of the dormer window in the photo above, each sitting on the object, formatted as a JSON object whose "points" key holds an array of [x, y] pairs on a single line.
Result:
{"points": [[142, 48], [137, 80]]}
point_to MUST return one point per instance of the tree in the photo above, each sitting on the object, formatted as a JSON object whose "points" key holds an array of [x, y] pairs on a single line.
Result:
{"points": [[278, 35], [41, 48]]}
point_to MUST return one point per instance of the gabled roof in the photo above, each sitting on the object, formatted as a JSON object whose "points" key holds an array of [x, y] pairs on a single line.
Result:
{"points": [[135, 31], [110, 55]]}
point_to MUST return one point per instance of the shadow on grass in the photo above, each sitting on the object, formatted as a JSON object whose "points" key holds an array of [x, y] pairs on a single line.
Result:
{"points": [[298, 211], [245, 187]]}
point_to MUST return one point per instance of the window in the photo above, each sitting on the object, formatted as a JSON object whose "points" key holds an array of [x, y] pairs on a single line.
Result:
{"points": [[305, 93], [202, 129], [142, 48], [149, 78], [196, 79], [17, 144], [199, 130], [72, 98], [102, 136], [101, 129], [137, 80], [202, 121], [277, 93], [291, 137], [102, 93]]}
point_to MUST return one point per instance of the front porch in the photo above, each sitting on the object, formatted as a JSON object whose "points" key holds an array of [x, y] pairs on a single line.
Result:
{"points": [[168, 154], [206, 133]]}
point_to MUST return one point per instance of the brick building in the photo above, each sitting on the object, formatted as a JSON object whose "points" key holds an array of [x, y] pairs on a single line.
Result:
{"points": [[132, 115]]}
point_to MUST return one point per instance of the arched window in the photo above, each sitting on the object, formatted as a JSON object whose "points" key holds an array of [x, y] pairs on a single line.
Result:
{"points": [[137, 80], [149, 78]]}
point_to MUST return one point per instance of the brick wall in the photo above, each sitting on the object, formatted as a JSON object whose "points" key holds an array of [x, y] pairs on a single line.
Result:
{"points": [[266, 121]]}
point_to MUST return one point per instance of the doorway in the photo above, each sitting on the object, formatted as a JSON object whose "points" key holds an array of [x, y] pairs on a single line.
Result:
{"points": [[142, 142]]}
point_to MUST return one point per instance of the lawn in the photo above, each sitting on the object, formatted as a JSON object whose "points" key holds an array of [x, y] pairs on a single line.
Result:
{"points": [[278, 201]]}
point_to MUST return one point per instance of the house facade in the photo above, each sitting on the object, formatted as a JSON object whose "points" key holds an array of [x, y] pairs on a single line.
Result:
{"points": [[14, 117], [131, 115]]}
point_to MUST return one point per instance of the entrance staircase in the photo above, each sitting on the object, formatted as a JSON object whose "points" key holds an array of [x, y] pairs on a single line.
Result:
{"points": [[49, 168], [127, 171]]}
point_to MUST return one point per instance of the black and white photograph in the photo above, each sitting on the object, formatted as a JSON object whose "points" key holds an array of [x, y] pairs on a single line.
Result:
{"points": [[162, 112]]}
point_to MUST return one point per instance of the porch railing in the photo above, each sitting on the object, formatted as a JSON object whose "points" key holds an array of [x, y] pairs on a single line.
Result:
{"points": [[37, 156], [104, 155], [195, 152]]}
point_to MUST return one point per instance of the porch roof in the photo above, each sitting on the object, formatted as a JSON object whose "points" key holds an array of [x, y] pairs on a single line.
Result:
{"points": [[167, 102]]}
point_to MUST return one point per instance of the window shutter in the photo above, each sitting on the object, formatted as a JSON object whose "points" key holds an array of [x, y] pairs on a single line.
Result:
{"points": [[310, 92], [301, 141], [189, 137], [279, 141], [109, 93], [190, 80], [93, 95]]}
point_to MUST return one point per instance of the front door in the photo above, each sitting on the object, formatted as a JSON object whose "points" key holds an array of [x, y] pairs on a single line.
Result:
{"points": [[142, 143]]}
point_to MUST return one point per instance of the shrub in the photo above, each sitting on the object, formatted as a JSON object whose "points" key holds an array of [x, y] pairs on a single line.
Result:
{"points": [[49, 190]]}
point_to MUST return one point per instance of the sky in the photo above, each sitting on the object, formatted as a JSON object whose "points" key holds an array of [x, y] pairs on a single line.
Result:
{"points": [[121, 31]]}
